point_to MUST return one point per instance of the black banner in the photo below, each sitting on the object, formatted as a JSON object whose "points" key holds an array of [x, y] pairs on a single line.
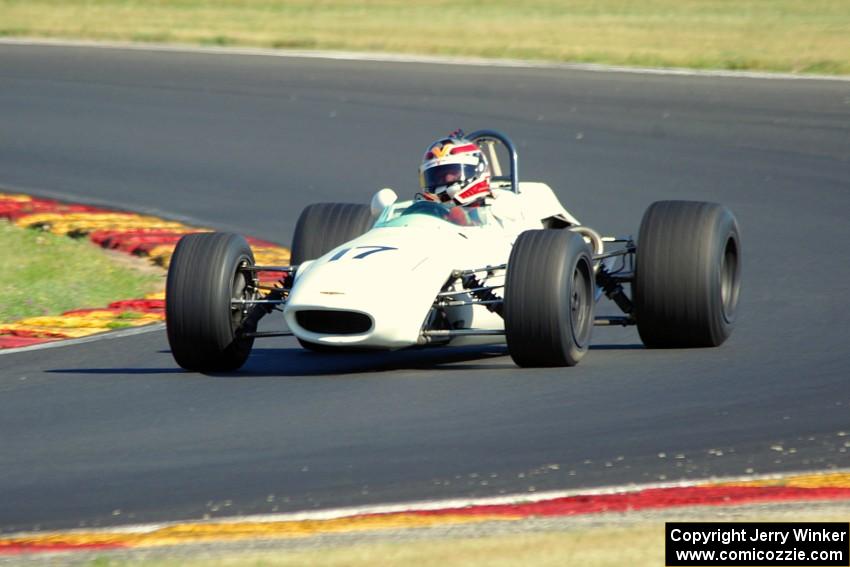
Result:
{"points": [[757, 543]]}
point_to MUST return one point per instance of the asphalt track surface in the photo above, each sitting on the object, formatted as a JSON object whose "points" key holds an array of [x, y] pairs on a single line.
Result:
{"points": [[112, 431]]}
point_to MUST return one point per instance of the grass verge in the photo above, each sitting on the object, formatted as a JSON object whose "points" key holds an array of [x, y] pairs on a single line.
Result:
{"points": [[808, 36], [46, 274]]}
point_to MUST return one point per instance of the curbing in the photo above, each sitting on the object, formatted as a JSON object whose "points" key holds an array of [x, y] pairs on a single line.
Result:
{"points": [[134, 234], [801, 487]]}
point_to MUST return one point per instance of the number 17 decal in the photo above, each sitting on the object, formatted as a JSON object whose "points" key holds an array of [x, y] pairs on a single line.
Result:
{"points": [[369, 251]]}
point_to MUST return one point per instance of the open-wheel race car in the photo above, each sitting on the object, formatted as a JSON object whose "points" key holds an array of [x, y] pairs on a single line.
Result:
{"points": [[520, 270]]}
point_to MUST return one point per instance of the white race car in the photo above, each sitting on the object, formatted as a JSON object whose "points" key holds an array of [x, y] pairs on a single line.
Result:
{"points": [[519, 270]]}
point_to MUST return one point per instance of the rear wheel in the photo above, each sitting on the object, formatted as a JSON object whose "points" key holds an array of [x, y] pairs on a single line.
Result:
{"points": [[203, 280], [687, 274], [549, 298]]}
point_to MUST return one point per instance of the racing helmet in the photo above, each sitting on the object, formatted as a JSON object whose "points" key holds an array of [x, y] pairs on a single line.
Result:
{"points": [[455, 169]]}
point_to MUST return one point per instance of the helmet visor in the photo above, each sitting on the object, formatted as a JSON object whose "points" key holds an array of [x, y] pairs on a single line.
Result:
{"points": [[448, 174]]}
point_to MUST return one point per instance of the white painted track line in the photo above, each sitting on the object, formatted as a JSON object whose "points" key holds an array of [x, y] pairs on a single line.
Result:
{"points": [[347, 512], [89, 339]]}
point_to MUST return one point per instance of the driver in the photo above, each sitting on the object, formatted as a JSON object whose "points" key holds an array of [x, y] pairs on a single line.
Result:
{"points": [[454, 172]]}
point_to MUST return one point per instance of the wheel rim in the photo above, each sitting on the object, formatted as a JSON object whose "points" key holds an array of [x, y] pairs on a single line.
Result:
{"points": [[729, 279], [239, 290], [580, 303]]}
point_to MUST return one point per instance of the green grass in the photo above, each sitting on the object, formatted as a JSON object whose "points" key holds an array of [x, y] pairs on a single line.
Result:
{"points": [[45, 274], [778, 35]]}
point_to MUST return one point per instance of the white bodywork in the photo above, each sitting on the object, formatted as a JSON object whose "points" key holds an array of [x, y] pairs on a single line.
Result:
{"points": [[394, 272]]}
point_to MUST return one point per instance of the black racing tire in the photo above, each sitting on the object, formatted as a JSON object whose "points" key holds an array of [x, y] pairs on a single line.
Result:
{"points": [[549, 298], [324, 226], [203, 278], [321, 228], [687, 274]]}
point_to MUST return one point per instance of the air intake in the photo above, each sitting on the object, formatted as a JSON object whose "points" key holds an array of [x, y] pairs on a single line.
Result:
{"points": [[334, 322]]}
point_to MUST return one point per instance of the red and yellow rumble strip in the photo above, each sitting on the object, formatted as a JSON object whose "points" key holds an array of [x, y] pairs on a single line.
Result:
{"points": [[139, 235], [809, 487]]}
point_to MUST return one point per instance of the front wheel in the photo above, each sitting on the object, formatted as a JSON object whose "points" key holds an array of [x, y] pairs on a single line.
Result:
{"points": [[202, 322], [321, 227], [549, 298]]}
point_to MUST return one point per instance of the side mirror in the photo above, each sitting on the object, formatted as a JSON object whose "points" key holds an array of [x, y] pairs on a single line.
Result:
{"points": [[381, 200]]}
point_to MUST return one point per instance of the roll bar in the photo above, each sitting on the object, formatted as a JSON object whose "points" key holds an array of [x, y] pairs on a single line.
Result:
{"points": [[490, 137]]}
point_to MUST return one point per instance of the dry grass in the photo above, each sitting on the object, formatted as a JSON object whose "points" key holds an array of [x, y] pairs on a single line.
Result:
{"points": [[777, 35], [635, 547]]}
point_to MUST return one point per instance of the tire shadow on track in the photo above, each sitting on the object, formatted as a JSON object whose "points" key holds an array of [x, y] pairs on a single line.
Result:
{"points": [[300, 362], [291, 362], [618, 347]]}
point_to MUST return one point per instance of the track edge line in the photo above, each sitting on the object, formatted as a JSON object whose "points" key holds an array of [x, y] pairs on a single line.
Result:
{"points": [[392, 57]]}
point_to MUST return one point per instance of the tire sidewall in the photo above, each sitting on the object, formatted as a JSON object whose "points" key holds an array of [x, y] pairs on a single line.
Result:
{"points": [[580, 338], [726, 233], [539, 326], [236, 257]]}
